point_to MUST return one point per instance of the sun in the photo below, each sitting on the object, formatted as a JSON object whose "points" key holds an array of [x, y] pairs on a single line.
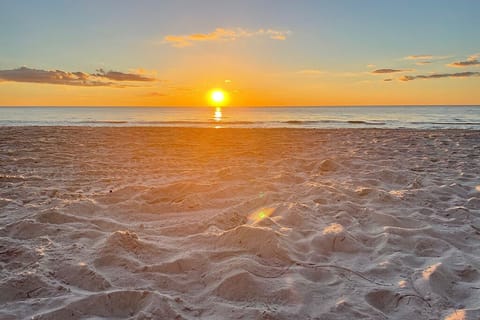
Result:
{"points": [[217, 97]]}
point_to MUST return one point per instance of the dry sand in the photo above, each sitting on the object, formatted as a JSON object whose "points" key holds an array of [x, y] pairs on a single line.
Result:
{"points": [[178, 223]]}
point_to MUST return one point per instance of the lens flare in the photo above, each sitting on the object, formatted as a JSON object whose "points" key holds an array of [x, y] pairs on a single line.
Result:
{"points": [[259, 215]]}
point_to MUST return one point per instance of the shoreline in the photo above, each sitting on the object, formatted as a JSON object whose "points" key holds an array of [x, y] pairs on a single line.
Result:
{"points": [[233, 128], [230, 117]]}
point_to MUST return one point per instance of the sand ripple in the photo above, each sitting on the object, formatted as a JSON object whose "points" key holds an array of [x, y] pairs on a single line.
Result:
{"points": [[159, 223]]}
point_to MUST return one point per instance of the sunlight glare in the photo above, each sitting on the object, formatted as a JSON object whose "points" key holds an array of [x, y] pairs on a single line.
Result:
{"points": [[457, 315], [218, 114], [333, 228], [217, 97], [430, 270]]}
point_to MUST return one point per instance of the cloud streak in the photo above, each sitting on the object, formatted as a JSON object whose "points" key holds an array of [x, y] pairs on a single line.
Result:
{"points": [[422, 63], [59, 77], [441, 75], [222, 34], [470, 62], [384, 71], [121, 76], [419, 57], [423, 57]]}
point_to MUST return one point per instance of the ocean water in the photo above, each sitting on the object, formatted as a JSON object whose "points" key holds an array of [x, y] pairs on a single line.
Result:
{"points": [[421, 117]]}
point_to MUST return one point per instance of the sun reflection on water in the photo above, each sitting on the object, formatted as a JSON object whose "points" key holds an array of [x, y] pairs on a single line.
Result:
{"points": [[218, 114]]}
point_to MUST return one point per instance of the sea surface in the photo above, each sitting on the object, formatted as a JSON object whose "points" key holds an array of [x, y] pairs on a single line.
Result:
{"points": [[421, 117]]}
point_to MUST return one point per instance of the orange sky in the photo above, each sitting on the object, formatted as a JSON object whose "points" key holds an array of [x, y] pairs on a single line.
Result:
{"points": [[291, 54]]}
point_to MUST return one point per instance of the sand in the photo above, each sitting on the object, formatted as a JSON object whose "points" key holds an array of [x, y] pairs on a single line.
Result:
{"points": [[185, 223]]}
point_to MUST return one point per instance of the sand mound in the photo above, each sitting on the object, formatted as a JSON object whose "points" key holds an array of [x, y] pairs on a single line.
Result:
{"points": [[115, 304], [258, 241], [81, 276]]}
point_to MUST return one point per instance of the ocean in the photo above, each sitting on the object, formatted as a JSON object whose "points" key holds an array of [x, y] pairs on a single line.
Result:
{"points": [[413, 117]]}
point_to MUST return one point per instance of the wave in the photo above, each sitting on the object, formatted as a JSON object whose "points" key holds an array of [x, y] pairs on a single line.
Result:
{"points": [[102, 121], [459, 123], [173, 122], [366, 122], [308, 121], [305, 122], [293, 123]]}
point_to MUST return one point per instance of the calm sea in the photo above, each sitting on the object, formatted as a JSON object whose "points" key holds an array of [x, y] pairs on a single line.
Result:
{"points": [[424, 117]]}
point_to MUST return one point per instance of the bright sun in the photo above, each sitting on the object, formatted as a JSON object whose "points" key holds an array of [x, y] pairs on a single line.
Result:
{"points": [[217, 96]]}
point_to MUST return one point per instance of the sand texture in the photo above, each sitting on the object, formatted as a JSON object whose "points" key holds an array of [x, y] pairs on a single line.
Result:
{"points": [[185, 223]]}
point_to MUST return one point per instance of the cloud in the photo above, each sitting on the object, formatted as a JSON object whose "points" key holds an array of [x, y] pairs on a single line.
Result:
{"points": [[383, 71], [387, 80], [101, 78], [425, 57], [422, 63], [221, 34], [422, 59], [419, 57], [371, 65], [121, 76], [25, 74], [471, 61], [441, 75]]}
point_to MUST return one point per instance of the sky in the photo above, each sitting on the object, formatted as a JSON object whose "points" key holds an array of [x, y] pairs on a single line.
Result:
{"points": [[261, 53]]}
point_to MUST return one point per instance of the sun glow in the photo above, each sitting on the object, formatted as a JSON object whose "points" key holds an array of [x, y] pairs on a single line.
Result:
{"points": [[217, 97]]}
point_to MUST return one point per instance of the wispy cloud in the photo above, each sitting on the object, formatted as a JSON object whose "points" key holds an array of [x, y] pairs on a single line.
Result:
{"points": [[441, 75], [101, 78], [419, 57], [222, 34], [383, 71], [422, 63], [121, 76], [430, 57], [470, 62], [424, 59]]}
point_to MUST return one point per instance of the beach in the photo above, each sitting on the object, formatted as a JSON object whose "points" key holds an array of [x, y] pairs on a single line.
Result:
{"points": [[231, 223]]}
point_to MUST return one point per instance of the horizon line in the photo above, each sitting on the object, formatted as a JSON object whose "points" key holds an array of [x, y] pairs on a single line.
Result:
{"points": [[264, 106]]}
